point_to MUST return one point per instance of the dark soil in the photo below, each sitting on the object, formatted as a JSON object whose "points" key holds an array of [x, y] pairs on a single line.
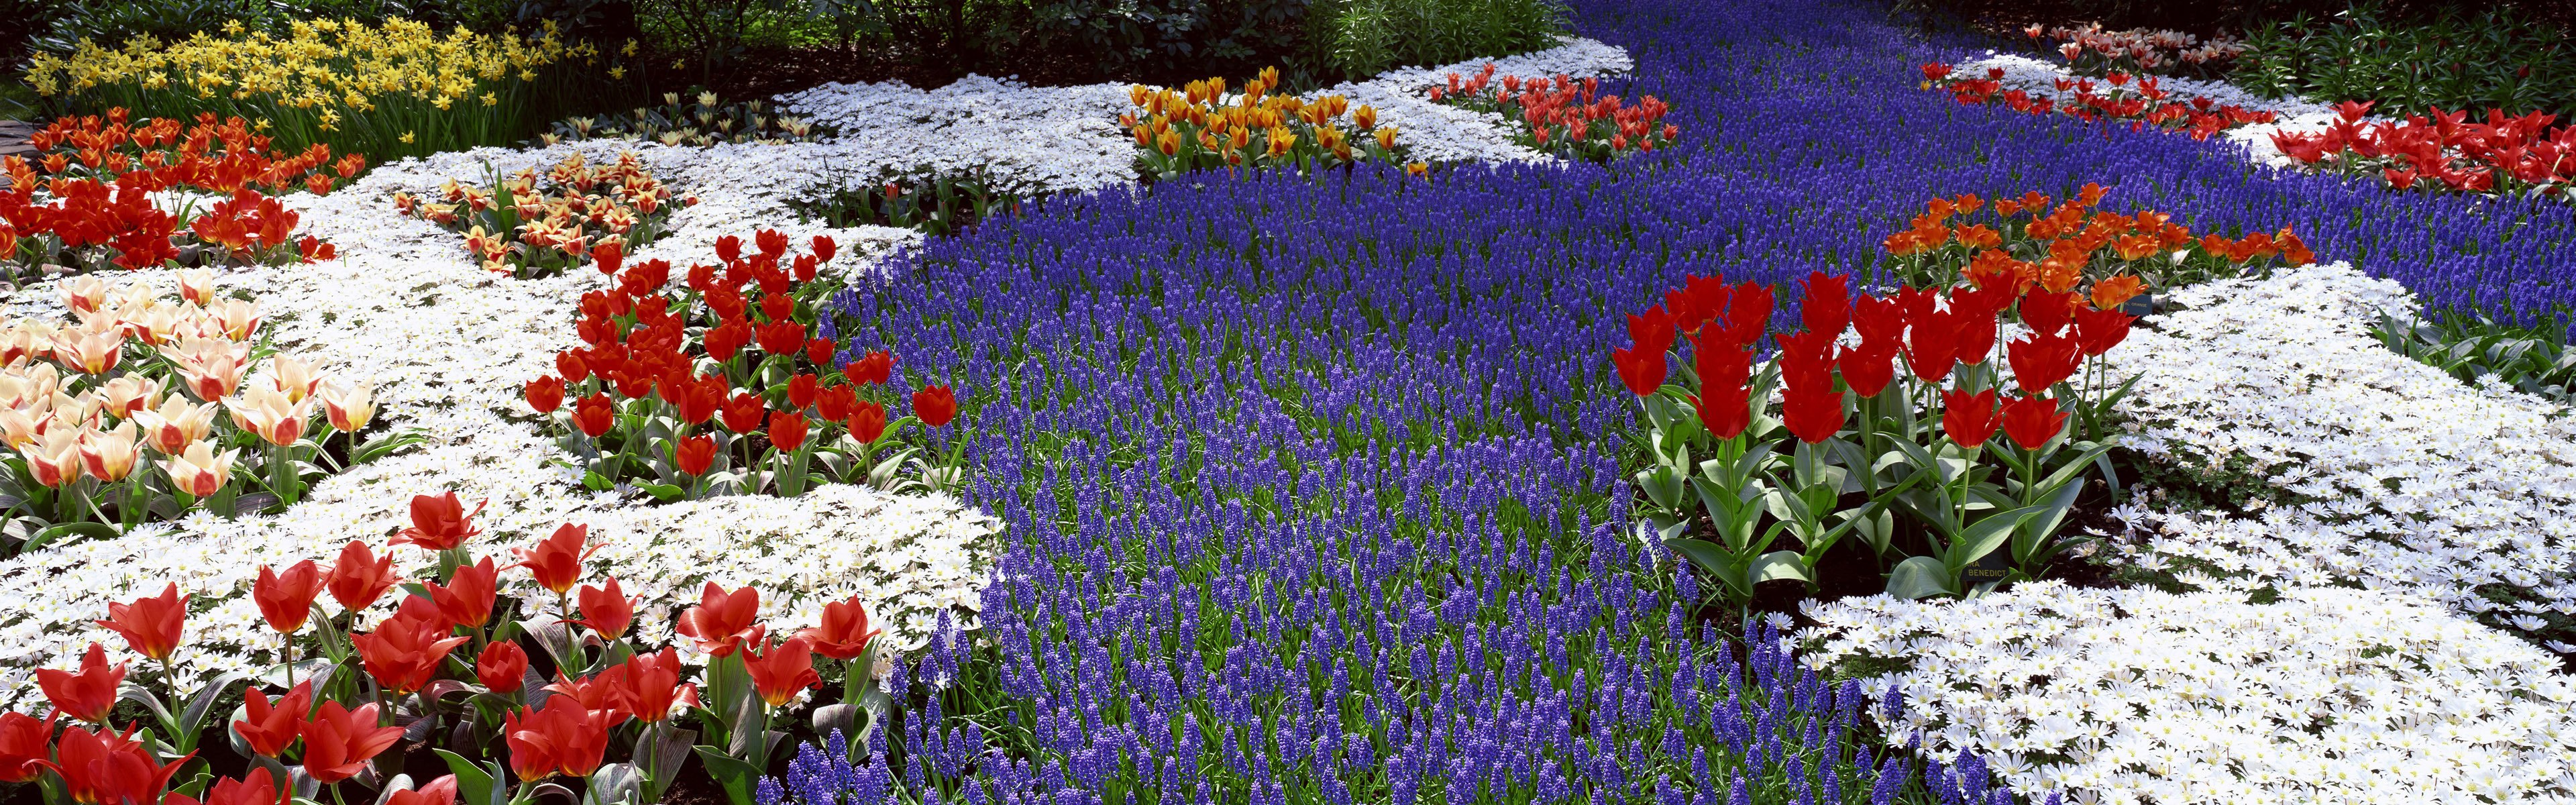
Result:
{"points": [[2203, 17]]}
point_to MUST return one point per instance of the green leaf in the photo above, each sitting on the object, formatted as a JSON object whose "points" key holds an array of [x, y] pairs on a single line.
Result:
{"points": [[1986, 535], [1920, 577], [1717, 562], [477, 786], [1778, 565], [735, 776], [663, 492], [59, 533]]}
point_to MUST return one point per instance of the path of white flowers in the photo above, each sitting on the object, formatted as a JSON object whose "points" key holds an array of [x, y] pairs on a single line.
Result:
{"points": [[2404, 482], [450, 345]]}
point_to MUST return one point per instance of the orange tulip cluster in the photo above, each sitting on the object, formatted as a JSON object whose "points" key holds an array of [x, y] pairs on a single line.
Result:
{"points": [[608, 688], [1201, 126], [535, 224], [2027, 242], [95, 194], [81, 403]]}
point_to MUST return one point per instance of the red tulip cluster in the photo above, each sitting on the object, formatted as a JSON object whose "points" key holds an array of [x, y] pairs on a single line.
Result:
{"points": [[2090, 50], [2444, 151], [607, 691], [86, 199], [2149, 105], [1565, 116], [540, 225], [772, 378]]}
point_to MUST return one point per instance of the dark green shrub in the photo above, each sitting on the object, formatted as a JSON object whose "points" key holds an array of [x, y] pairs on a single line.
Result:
{"points": [[1358, 38], [2491, 58]]}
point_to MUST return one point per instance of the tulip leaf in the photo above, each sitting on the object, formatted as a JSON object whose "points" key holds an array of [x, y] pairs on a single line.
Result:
{"points": [[663, 492], [477, 786], [1778, 565], [1920, 577], [735, 776], [59, 533], [1986, 535]]}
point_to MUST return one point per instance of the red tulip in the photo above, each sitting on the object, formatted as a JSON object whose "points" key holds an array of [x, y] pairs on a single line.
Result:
{"points": [[2046, 312], [696, 402], [556, 561], [1972, 332], [802, 390], [151, 625], [786, 430], [1813, 414], [1881, 322], [694, 454], [25, 741], [271, 729], [256, 788], [594, 415], [87, 695], [359, 578], [867, 422], [286, 600], [545, 394], [729, 248], [1806, 360], [722, 621], [844, 632], [439, 523], [598, 693], [649, 686], [606, 611], [2032, 421], [339, 742], [935, 405], [820, 351], [1970, 419], [782, 337], [103, 767], [1827, 307], [404, 653], [467, 597], [724, 340], [502, 667], [2042, 361], [563, 738], [781, 671], [2097, 331], [1930, 346], [875, 367], [772, 242], [441, 791], [743, 414], [824, 248], [1640, 369], [1868, 368], [609, 255]]}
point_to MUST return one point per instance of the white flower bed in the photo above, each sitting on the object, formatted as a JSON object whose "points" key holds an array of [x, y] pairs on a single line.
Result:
{"points": [[2406, 477], [2327, 695]]}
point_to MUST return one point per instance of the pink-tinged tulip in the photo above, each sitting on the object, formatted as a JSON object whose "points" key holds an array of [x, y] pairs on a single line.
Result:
{"points": [[84, 294], [844, 632], [556, 561], [212, 376], [24, 741], [359, 577], [467, 597], [103, 767], [197, 286], [722, 621], [176, 425], [606, 610], [92, 353], [270, 415], [405, 652], [286, 599], [561, 738], [2032, 421], [440, 522], [781, 671], [349, 409], [238, 318], [1969, 419], [694, 454], [2041, 361], [200, 471], [339, 742], [109, 455], [271, 728], [151, 624], [294, 378], [86, 695], [127, 394], [502, 668]]}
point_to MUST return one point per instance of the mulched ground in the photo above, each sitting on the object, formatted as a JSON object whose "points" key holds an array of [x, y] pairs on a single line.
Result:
{"points": [[13, 137]]}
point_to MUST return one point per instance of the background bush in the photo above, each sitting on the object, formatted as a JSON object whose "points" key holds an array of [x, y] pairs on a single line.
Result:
{"points": [[2451, 58], [1352, 39]]}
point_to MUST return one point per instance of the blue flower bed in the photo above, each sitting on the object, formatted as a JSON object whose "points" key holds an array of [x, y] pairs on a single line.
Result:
{"points": [[1312, 485]]}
